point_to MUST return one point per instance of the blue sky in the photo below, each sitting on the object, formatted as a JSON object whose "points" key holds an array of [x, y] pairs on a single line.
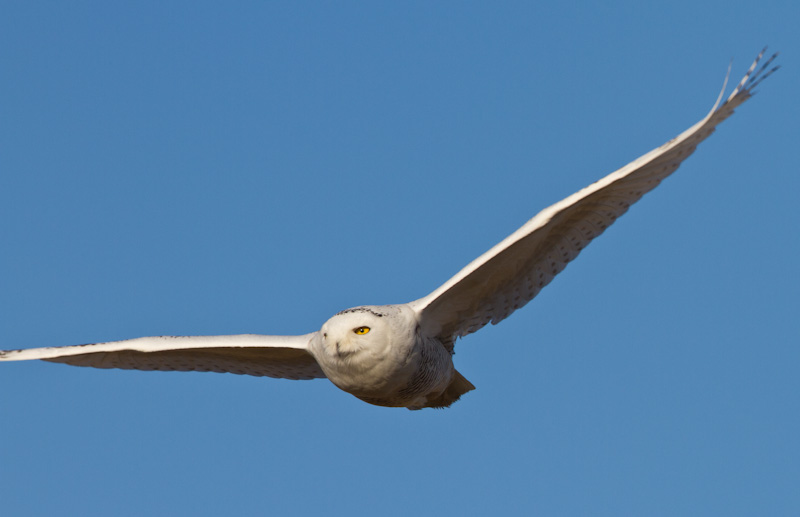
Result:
{"points": [[206, 168]]}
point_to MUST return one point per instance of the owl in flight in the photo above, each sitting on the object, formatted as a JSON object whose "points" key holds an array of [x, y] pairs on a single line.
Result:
{"points": [[401, 355]]}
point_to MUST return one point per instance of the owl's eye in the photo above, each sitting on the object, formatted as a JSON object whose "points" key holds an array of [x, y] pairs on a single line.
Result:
{"points": [[361, 330]]}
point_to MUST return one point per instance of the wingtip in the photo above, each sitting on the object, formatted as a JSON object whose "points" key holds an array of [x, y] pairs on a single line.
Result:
{"points": [[15, 355], [8, 355], [754, 77], [26, 354]]}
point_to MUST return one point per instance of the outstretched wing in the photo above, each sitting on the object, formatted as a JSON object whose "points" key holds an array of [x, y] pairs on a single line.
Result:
{"points": [[514, 271], [247, 354]]}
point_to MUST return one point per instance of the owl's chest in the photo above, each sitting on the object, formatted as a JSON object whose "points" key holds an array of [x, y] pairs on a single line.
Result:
{"points": [[393, 375]]}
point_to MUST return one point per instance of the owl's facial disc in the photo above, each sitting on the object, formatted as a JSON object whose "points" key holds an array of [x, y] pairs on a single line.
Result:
{"points": [[350, 331]]}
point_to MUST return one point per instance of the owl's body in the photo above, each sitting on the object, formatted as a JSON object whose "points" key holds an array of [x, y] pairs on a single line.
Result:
{"points": [[379, 354], [401, 355]]}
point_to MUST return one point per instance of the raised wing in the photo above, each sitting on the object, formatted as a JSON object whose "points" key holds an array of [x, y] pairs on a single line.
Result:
{"points": [[514, 271], [247, 354]]}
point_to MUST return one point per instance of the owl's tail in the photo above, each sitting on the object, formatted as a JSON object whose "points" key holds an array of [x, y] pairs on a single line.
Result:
{"points": [[457, 387]]}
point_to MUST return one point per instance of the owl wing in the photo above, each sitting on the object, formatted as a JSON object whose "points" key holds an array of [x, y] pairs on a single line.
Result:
{"points": [[514, 271], [247, 354]]}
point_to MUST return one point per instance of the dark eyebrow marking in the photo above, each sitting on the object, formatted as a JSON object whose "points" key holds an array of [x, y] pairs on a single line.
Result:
{"points": [[360, 309]]}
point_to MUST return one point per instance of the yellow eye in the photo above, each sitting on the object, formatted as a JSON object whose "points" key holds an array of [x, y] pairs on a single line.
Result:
{"points": [[361, 330]]}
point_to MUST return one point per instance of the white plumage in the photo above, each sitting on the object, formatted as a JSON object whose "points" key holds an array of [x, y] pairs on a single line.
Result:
{"points": [[401, 355]]}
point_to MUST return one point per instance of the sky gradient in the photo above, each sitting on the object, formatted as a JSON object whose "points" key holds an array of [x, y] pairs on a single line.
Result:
{"points": [[201, 168]]}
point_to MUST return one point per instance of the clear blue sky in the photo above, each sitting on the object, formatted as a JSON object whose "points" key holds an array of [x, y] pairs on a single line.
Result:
{"points": [[207, 168]]}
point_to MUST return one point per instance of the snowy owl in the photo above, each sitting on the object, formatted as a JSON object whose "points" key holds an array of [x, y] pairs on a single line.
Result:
{"points": [[401, 355]]}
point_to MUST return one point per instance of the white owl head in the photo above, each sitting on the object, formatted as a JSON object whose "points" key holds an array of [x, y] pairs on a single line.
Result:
{"points": [[365, 329]]}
